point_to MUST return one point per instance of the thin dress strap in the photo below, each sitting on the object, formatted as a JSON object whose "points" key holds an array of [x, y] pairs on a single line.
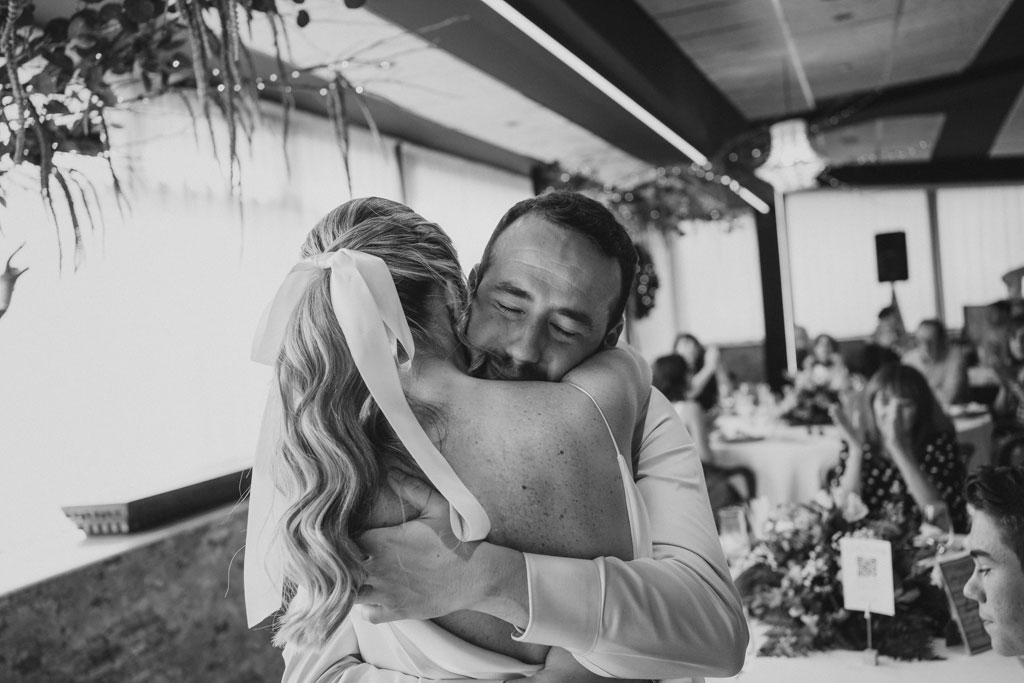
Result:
{"points": [[601, 413], [636, 510]]}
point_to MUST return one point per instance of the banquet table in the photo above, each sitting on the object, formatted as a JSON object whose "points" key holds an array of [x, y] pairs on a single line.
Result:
{"points": [[790, 462], [846, 666]]}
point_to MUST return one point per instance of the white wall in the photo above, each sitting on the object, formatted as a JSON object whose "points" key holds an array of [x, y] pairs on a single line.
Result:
{"points": [[832, 256], [981, 236], [134, 369]]}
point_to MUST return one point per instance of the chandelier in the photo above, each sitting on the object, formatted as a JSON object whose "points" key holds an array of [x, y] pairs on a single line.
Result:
{"points": [[792, 163]]}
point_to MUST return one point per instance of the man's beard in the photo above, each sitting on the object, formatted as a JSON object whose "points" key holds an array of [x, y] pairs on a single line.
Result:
{"points": [[490, 364]]}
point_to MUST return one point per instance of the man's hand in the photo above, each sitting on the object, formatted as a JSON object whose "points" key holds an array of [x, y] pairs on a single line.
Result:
{"points": [[420, 570], [561, 667]]}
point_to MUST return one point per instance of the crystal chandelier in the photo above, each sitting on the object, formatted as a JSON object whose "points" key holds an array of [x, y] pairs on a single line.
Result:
{"points": [[792, 163]]}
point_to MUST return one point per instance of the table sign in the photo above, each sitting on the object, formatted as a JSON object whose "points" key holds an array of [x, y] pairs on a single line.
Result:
{"points": [[955, 573], [866, 569]]}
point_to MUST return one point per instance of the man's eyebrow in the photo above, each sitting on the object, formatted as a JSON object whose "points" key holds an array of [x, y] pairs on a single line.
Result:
{"points": [[981, 553], [510, 288]]}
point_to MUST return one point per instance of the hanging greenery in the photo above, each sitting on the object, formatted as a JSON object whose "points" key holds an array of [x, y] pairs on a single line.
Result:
{"points": [[646, 284], [60, 80], [670, 196]]}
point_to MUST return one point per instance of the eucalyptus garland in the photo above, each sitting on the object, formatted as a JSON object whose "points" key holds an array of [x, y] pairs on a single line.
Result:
{"points": [[646, 284], [60, 79]]}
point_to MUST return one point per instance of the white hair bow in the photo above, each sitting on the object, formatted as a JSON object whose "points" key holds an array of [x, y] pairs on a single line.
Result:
{"points": [[370, 314]]}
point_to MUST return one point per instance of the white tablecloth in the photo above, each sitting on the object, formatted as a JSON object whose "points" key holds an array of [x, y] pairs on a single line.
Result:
{"points": [[845, 666], [789, 462]]}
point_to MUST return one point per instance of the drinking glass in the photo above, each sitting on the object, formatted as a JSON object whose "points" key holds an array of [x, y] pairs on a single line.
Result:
{"points": [[733, 532], [937, 515]]}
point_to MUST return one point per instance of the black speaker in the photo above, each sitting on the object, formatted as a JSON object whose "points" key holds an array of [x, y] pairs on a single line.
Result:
{"points": [[891, 252]]}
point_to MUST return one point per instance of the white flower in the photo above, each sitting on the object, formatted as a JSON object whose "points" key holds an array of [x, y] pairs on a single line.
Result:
{"points": [[854, 508], [824, 499]]}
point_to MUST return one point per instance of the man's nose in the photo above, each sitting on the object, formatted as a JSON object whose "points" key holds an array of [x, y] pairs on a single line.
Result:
{"points": [[528, 344]]}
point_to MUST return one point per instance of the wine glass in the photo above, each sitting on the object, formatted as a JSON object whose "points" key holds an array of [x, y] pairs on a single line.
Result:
{"points": [[733, 533], [937, 515]]}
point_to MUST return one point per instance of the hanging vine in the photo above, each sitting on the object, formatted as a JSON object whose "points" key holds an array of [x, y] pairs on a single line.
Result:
{"points": [[60, 79]]}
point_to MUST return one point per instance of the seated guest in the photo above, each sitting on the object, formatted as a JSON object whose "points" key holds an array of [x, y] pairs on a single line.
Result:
{"points": [[883, 345], [705, 365], [941, 363], [824, 367], [672, 377], [1008, 408], [995, 496], [908, 455]]}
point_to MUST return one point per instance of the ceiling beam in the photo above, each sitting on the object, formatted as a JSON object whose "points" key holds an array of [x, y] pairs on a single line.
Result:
{"points": [[627, 46], [945, 172], [972, 126], [975, 101]]}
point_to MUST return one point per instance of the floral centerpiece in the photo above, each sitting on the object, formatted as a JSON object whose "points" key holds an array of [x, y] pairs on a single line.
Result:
{"points": [[791, 582]]}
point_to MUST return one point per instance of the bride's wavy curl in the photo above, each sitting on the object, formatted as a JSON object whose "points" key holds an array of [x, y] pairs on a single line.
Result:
{"points": [[337, 446]]}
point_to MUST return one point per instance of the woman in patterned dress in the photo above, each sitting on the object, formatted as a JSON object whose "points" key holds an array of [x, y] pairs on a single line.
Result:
{"points": [[908, 455]]}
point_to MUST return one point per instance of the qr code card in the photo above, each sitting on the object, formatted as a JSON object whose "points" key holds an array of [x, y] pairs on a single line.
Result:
{"points": [[866, 568]]}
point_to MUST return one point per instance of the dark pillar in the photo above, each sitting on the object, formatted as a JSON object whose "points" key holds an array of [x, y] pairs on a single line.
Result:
{"points": [[771, 294]]}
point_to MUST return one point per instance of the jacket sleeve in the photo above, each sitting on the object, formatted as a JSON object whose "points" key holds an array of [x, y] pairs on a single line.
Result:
{"points": [[672, 615]]}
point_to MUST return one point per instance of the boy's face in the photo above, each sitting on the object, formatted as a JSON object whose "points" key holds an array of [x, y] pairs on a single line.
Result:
{"points": [[997, 585]]}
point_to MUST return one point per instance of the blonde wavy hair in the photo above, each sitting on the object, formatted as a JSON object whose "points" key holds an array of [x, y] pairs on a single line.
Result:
{"points": [[337, 446]]}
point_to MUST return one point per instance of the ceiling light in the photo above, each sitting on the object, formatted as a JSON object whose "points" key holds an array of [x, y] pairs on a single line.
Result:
{"points": [[792, 163], [568, 58]]}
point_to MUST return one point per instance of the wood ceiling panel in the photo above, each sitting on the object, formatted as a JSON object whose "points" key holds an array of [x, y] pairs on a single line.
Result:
{"points": [[435, 85], [899, 139], [1010, 141]]}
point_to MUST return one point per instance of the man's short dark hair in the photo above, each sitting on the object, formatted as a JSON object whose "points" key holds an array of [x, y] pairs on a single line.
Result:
{"points": [[999, 493], [584, 216]]}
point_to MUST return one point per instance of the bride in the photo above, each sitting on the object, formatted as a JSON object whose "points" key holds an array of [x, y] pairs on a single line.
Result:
{"points": [[373, 388]]}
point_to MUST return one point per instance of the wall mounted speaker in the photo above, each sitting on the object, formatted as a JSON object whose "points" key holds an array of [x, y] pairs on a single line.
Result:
{"points": [[891, 252]]}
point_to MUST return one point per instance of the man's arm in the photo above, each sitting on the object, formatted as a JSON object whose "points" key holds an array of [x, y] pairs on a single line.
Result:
{"points": [[676, 614]]}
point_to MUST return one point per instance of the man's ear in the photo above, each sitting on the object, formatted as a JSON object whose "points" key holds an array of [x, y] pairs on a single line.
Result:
{"points": [[474, 280], [612, 337]]}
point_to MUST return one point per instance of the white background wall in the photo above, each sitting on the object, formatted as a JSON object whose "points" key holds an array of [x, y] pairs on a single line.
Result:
{"points": [[134, 371]]}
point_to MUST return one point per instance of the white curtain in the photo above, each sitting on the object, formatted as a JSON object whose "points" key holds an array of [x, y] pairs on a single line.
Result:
{"points": [[719, 281], [981, 236], [134, 371], [833, 265], [464, 197]]}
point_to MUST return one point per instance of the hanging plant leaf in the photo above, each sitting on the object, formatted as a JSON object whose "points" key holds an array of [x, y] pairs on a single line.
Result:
{"points": [[139, 11], [57, 29], [26, 16], [110, 11], [59, 60]]}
